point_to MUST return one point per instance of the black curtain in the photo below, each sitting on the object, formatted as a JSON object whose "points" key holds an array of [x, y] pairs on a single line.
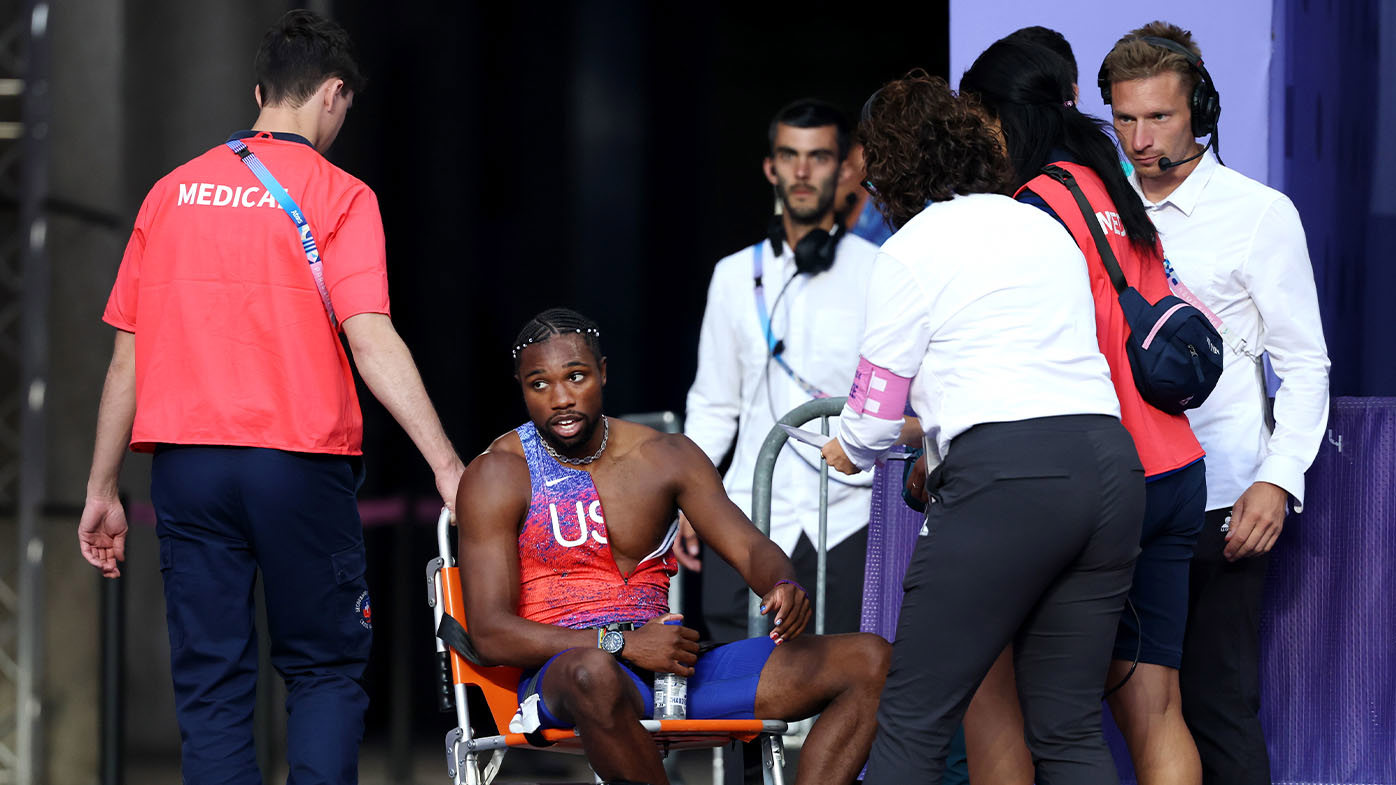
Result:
{"points": [[598, 155]]}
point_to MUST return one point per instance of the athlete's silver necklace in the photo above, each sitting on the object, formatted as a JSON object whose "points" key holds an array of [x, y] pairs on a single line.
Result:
{"points": [[605, 436]]}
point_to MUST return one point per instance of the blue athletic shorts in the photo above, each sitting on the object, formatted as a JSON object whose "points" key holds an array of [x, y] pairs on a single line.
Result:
{"points": [[1173, 512], [722, 687]]}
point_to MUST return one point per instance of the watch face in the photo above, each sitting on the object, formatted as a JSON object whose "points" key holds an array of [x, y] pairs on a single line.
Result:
{"points": [[612, 642]]}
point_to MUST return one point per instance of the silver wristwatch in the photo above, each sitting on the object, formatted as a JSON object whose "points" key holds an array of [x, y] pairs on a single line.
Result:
{"points": [[611, 642]]}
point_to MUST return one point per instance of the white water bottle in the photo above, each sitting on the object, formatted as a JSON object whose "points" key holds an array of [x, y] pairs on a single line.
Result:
{"points": [[670, 693], [670, 696]]}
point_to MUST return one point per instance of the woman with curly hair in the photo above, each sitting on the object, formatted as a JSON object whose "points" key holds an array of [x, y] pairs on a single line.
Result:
{"points": [[980, 312], [1027, 90]]}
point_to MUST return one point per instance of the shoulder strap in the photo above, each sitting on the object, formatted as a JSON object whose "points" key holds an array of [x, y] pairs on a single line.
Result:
{"points": [[1107, 255], [540, 467], [312, 253]]}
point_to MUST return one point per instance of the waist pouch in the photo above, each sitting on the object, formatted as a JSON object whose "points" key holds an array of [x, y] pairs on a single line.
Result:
{"points": [[1174, 351]]}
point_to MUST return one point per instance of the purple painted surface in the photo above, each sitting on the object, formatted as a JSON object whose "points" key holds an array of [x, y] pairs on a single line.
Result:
{"points": [[892, 530], [1328, 626]]}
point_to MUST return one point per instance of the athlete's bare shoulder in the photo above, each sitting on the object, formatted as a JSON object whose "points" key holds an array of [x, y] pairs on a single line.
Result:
{"points": [[507, 443], [627, 436], [496, 477], [670, 454]]}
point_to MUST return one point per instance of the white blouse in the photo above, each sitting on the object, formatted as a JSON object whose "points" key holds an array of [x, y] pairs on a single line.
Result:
{"points": [[987, 303]]}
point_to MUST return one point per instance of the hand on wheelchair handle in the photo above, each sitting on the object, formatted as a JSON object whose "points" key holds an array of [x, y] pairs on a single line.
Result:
{"points": [[663, 648]]}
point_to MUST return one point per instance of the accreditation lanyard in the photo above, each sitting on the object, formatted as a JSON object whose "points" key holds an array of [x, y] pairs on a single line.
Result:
{"points": [[1231, 339], [312, 253], [757, 252]]}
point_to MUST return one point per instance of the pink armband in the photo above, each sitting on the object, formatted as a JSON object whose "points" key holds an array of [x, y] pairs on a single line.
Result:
{"points": [[878, 392]]}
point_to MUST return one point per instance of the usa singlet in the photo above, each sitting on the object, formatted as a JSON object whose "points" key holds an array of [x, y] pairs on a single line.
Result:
{"points": [[568, 576]]}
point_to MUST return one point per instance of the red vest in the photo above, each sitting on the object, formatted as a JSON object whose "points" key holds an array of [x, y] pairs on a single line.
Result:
{"points": [[1164, 441]]}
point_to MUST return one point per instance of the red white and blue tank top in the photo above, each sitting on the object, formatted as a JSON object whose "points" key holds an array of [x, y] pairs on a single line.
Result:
{"points": [[568, 576]]}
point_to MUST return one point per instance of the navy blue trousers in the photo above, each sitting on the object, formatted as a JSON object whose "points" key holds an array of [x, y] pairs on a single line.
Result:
{"points": [[223, 514]]}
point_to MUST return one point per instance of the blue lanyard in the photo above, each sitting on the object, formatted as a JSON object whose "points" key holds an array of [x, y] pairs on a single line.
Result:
{"points": [[757, 252], [312, 253]]}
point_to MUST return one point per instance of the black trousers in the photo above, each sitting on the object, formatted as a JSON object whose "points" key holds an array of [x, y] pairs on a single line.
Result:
{"points": [[1220, 675], [725, 593], [1031, 538]]}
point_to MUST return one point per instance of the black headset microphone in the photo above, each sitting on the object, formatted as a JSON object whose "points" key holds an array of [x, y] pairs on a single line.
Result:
{"points": [[1165, 163]]}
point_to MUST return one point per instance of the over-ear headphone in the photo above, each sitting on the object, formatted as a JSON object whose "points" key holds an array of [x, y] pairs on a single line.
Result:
{"points": [[1205, 101], [814, 253]]}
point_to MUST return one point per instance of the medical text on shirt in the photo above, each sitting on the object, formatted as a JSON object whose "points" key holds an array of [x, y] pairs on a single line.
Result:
{"points": [[216, 195]]}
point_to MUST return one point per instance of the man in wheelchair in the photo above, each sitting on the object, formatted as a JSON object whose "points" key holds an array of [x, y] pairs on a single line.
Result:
{"points": [[576, 594]]}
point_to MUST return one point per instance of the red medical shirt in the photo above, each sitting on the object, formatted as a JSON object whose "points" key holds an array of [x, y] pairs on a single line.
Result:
{"points": [[233, 345]]}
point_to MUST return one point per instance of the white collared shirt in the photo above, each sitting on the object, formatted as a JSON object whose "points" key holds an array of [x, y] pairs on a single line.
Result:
{"points": [[987, 303], [1239, 246], [740, 392]]}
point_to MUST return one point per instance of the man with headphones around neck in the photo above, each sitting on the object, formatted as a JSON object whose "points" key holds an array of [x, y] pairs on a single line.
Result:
{"points": [[1237, 248], [781, 326]]}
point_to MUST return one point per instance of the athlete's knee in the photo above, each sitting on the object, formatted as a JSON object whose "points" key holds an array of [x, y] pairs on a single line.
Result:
{"points": [[874, 657], [862, 659], [592, 682]]}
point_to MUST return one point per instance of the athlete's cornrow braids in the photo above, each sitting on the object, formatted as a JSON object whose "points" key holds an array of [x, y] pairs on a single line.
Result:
{"points": [[554, 322]]}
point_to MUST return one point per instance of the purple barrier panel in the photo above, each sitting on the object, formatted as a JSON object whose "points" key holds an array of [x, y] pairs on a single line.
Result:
{"points": [[892, 530], [1328, 627]]}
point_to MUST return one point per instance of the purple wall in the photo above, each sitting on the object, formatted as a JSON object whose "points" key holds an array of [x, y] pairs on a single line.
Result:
{"points": [[1339, 118]]}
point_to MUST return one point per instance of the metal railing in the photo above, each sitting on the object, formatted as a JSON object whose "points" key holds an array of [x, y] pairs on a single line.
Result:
{"points": [[821, 409]]}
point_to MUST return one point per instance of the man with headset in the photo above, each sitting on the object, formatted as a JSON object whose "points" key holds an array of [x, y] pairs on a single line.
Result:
{"points": [[782, 325], [1236, 248]]}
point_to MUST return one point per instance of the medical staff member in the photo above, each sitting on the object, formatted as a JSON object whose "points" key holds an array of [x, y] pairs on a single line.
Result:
{"points": [[980, 311], [228, 366], [1029, 91]]}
